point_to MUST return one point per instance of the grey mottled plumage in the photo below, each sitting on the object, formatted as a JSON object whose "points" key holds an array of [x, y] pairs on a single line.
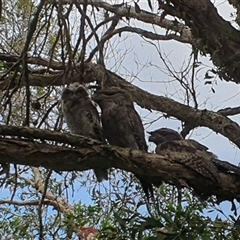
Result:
{"points": [[121, 123], [170, 144], [82, 118], [191, 153]]}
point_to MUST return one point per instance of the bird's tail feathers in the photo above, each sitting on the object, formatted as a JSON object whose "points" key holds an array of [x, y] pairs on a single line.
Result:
{"points": [[147, 188], [101, 174]]}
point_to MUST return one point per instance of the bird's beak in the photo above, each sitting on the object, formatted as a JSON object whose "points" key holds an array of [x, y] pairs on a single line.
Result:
{"points": [[96, 98], [151, 138]]}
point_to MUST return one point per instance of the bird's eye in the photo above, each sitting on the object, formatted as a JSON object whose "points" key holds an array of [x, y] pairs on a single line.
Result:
{"points": [[81, 91], [66, 93], [110, 94]]}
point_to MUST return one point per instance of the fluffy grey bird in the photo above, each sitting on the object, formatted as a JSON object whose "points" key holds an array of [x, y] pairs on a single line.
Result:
{"points": [[190, 153], [121, 124], [82, 118]]}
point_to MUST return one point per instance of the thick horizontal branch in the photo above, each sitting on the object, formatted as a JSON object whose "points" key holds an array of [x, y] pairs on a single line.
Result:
{"points": [[194, 117], [89, 154]]}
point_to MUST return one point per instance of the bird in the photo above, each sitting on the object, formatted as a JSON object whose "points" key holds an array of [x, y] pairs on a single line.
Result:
{"points": [[83, 118], [190, 153], [171, 144], [122, 124]]}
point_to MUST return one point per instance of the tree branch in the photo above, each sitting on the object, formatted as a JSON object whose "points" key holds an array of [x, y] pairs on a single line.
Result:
{"points": [[91, 154], [26, 203], [194, 117], [229, 111]]}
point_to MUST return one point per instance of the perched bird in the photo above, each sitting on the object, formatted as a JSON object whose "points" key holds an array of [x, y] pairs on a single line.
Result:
{"points": [[184, 152], [122, 125], [82, 118], [190, 153]]}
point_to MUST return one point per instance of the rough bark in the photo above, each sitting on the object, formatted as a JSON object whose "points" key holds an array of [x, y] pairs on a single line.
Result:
{"points": [[191, 116], [77, 153]]}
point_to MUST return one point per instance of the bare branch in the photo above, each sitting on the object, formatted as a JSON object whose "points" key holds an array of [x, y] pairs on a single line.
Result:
{"points": [[91, 154], [229, 111], [26, 203]]}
